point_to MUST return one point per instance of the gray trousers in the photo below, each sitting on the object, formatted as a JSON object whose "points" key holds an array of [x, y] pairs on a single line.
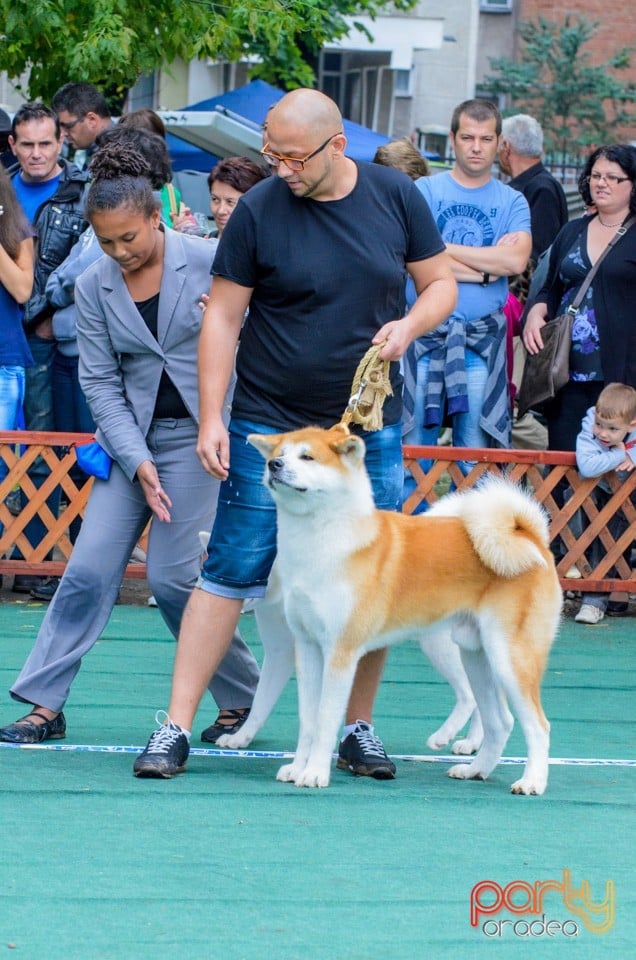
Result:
{"points": [[116, 515]]}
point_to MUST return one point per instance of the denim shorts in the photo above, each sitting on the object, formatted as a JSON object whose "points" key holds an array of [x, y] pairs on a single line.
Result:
{"points": [[242, 545]]}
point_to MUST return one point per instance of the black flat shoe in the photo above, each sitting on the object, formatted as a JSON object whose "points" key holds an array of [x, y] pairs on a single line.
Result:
{"points": [[212, 734], [24, 732]]}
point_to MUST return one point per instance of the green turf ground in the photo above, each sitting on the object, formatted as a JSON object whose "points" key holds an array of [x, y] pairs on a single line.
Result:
{"points": [[225, 863]]}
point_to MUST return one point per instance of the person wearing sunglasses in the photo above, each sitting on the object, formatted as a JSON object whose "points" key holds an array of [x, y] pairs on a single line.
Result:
{"points": [[320, 252], [604, 334], [83, 114]]}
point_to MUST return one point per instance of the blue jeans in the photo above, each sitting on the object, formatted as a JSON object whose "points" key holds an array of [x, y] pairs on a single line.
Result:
{"points": [[38, 399], [70, 409], [38, 415], [466, 429], [12, 379], [242, 545]]}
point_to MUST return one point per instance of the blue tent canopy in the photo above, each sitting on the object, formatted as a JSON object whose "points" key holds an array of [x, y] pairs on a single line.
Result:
{"points": [[252, 102]]}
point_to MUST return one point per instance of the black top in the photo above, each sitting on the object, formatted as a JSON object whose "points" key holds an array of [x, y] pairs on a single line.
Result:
{"points": [[168, 404], [326, 275], [547, 202]]}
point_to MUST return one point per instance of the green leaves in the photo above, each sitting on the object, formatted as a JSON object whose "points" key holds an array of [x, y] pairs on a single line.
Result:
{"points": [[113, 42], [576, 102]]}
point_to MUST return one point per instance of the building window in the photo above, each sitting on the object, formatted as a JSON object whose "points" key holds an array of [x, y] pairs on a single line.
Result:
{"points": [[495, 6], [402, 83]]}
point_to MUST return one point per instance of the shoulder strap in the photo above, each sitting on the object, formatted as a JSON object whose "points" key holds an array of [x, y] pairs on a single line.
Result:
{"points": [[578, 300]]}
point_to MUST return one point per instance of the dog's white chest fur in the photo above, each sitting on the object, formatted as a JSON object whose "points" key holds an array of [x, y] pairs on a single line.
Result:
{"points": [[317, 596]]}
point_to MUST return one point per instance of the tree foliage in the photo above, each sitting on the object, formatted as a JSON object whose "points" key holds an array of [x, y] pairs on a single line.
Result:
{"points": [[111, 43], [577, 104]]}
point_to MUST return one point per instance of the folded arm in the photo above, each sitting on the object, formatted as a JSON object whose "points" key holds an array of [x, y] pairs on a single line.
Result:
{"points": [[507, 258]]}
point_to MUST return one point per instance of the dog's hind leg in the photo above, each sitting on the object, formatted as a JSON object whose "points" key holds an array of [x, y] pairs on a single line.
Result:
{"points": [[277, 668], [524, 689], [534, 723], [445, 657], [495, 716]]}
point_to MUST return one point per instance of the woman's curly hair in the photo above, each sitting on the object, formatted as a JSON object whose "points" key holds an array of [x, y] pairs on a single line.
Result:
{"points": [[120, 178]]}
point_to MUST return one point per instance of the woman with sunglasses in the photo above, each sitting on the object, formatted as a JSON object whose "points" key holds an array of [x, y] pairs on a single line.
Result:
{"points": [[604, 333]]}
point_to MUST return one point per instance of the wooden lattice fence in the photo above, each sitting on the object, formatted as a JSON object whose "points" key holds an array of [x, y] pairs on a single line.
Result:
{"points": [[540, 471], [575, 522]]}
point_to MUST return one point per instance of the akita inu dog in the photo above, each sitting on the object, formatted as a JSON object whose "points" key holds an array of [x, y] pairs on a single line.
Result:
{"points": [[354, 579]]}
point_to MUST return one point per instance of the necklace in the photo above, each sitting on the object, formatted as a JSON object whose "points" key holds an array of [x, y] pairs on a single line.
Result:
{"points": [[609, 225]]}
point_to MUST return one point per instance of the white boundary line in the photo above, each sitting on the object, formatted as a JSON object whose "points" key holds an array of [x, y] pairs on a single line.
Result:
{"points": [[285, 755]]}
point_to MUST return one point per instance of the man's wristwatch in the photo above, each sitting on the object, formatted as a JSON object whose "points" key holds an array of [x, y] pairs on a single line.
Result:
{"points": [[485, 279]]}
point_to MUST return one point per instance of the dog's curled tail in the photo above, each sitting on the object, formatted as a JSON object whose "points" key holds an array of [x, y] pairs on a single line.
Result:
{"points": [[507, 527]]}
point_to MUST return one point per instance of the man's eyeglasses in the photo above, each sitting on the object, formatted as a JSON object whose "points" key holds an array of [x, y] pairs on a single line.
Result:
{"points": [[294, 163], [610, 179], [71, 123]]}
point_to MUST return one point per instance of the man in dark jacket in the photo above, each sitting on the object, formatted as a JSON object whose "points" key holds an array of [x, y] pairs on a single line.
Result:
{"points": [[51, 192], [520, 158]]}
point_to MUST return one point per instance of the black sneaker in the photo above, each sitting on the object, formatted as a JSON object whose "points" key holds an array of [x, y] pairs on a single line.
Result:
{"points": [[166, 752], [46, 590], [362, 753]]}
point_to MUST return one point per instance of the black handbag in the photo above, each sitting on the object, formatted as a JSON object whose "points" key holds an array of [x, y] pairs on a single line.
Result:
{"points": [[547, 372]]}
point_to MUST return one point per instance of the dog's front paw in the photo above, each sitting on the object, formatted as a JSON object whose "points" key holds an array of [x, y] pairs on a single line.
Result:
{"points": [[235, 741], [313, 777], [465, 771], [288, 773], [529, 787]]}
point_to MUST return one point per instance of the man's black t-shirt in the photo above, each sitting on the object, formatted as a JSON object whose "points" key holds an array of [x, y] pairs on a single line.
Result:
{"points": [[326, 275]]}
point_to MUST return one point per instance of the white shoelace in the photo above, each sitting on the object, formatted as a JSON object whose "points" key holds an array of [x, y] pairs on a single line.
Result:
{"points": [[167, 734], [370, 743]]}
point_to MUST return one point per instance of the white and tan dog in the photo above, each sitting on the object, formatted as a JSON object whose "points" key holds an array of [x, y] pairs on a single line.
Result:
{"points": [[355, 579]]}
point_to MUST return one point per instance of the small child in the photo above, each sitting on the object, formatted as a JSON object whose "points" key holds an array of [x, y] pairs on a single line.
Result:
{"points": [[607, 441]]}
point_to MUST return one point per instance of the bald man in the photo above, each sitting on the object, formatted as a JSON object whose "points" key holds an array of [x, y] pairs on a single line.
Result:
{"points": [[319, 253]]}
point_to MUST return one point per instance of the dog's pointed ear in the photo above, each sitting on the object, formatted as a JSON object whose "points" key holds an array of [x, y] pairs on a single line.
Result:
{"points": [[350, 447], [265, 443]]}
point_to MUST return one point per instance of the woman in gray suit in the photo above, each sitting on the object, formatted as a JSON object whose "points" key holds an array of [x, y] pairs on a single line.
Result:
{"points": [[138, 324]]}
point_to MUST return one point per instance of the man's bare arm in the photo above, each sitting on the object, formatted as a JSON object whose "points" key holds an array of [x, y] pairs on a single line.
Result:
{"points": [[220, 331]]}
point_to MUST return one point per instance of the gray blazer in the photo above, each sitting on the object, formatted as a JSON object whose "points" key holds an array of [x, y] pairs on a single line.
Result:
{"points": [[120, 362]]}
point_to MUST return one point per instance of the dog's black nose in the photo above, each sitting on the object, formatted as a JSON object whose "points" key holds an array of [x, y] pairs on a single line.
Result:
{"points": [[275, 465]]}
